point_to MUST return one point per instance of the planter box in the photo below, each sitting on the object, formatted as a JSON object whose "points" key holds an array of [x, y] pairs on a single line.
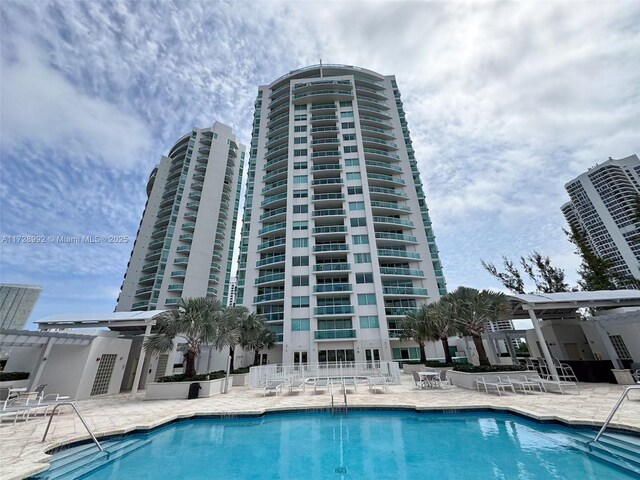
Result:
{"points": [[409, 368], [15, 384], [180, 390], [468, 380], [239, 379], [623, 377]]}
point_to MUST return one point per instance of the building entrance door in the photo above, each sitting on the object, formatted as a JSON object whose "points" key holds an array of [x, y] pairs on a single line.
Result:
{"points": [[372, 356]]}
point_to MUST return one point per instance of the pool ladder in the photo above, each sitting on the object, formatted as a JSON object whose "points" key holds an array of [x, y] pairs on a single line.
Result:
{"points": [[72, 405], [615, 409], [335, 408]]}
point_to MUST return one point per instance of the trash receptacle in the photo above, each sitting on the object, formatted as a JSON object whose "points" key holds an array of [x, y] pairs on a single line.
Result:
{"points": [[194, 391]]}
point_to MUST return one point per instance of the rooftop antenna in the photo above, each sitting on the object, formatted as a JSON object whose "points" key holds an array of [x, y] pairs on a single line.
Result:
{"points": [[320, 68]]}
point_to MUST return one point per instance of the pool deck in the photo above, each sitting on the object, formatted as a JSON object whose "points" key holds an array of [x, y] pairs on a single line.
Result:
{"points": [[22, 454]]}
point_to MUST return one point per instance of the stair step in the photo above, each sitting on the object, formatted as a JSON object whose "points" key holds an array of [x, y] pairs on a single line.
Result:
{"points": [[90, 458], [607, 457], [62, 457], [85, 471], [627, 455]]}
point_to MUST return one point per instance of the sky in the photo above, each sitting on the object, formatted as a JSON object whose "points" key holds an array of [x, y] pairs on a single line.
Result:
{"points": [[506, 102]]}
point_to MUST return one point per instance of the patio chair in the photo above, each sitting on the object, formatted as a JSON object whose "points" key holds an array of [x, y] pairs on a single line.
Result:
{"points": [[296, 384], [419, 382], [6, 395], [636, 375], [441, 380], [554, 380], [565, 372], [16, 406], [494, 383], [320, 384], [272, 386], [378, 383], [522, 383], [349, 382]]}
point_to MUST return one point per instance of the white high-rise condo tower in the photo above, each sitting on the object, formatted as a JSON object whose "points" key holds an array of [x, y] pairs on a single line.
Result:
{"points": [[184, 246], [337, 245], [604, 209]]}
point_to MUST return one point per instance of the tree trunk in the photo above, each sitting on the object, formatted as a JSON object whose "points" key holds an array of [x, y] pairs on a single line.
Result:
{"points": [[447, 353], [423, 356], [231, 354], [482, 354], [190, 369], [256, 357]]}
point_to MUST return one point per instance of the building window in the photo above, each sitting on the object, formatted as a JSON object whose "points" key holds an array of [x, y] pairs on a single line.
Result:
{"points": [[351, 162], [300, 325], [302, 152], [361, 239], [359, 222], [299, 140], [364, 277], [299, 165], [299, 302], [300, 208], [620, 347], [299, 118], [349, 136], [353, 176], [300, 128], [353, 206], [366, 299], [406, 354], [354, 190], [301, 225], [346, 114], [351, 149], [301, 280], [300, 193], [348, 125], [370, 321], [362, 257], [346, 103], [300, 179], [298, 108], [300, 242], [333, 356], [301, 261]]}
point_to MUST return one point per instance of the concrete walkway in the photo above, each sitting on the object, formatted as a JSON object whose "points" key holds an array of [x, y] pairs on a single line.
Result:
{"points": [[22, 454]]}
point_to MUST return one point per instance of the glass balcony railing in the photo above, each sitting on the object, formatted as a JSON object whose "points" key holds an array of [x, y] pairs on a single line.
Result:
{"points": [[328, 230], [179, 274], [401, 272], [273, 199], [334, 334], [333, 287], [175, 287], [390, 252], [268, 297], [390, 206], [323, 168], [381, 153], [385, 178], [272, 228], [327, 181], [400, 311], [331, 247], [382, 165], [334, 310], [388, 191], [143, 291], [327, 196], [270, 260], [331, 267], [329, 153], [272, 243], [331, 212], [146, 278], [396, 236], [410, 291], [137, 305], [172, 301], [392, 221], [275, 277], [181, 261]]}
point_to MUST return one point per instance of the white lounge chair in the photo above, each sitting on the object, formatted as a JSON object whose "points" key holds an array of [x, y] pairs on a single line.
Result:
{"points": [[349, 382], [522, 383], [494, 383], [295, 384], [272, 386], [320, 384], [378, 383], [636, 375], [554, 381]]}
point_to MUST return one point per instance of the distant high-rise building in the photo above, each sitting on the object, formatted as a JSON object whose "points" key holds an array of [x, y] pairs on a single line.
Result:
{"points": [[184, 246], [233, 287], [604, 210], [16, 304], [337, 244]]}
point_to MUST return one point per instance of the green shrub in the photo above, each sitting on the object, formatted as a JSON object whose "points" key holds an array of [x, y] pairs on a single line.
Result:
{"points": [[435, 364], [203, 377], [488, 368], [13, 376], [240, 370]]}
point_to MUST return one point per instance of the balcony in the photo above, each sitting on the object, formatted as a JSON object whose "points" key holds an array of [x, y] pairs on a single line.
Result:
{"points": [[332, 212], [374, 122], [334, 230], [272, 244], [392, 221], [278, 259], [276, 174], [329, 154], [326, 169], [392, 253], [214, 279], [381, 180], [274, 152], [324, 143], [195, 195], [369, 92], [140, 305], [273, 278], [399, 311], [269, 297], [333, 310], [404, 291], [322, 95], [400, 272], [156, 244], [378, 143], [180, 261], [153, 255], [147, 278], [172, 301], [376, 166], [204, 150], [216, 256], [184, 249], [324, 132], [273, 228], [331, 247], [218, 244], [328, 197], [278, 120], [368, 83], [331, 267], [175, 287], [186, 237], [162, 222], [179, 274], [189, 226], [388, 207], [215, 267], [334, 334], [197, 185], [278, 109], [275, 200], [190, 215], [326, 182], [323, 108], [144, 292], [333, 288], [278, 212], [374, 153], [322, 84], [378, 132], [159, 232], [382, 193], [326, 120], [276, 187], [147, 267], [374, 112], [193, 205], [202, 159]]}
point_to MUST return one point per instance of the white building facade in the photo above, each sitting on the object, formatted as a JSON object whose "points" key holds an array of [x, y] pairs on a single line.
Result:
{"points": [[603, 208], [337, 244], [184, 246]]}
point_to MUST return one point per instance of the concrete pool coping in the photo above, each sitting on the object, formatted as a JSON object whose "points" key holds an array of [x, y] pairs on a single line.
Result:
{"points": [[24, 455]]}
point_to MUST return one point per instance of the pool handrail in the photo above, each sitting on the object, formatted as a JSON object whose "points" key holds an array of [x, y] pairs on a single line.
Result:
{"points": [[615, 409], [72, 405]]}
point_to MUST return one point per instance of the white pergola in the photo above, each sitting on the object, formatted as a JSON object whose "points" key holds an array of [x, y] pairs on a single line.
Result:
{"points": [[127, 323], [562, 306]]}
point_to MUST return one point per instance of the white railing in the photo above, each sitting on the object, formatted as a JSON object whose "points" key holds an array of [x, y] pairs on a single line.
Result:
{"points": [[259, 376]]}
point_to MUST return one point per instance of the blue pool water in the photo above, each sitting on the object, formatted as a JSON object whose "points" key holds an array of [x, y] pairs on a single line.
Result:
{"points": [[360, 445]]}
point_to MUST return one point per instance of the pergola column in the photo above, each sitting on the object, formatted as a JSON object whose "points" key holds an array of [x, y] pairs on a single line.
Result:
{"points": [[35, 378], [141, 359], [543, 345]]}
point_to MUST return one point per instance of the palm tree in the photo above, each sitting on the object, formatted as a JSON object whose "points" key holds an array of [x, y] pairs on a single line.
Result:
{"points": [[230, 330], [472, 310], [414, 326], [198, 321], [440, 325], [256, 335]]}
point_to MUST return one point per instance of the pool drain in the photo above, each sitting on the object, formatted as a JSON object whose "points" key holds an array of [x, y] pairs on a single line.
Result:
{"points": [[341, 470]]}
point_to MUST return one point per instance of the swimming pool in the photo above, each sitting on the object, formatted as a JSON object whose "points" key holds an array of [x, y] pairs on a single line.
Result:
{"points": [[358, 445]]}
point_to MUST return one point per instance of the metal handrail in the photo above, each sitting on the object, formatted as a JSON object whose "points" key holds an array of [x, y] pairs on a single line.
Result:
{"points": [[344, 392], [615, 409], [73, 405]]}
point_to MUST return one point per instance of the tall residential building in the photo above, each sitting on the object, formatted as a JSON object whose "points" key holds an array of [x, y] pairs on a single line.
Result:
{"points": [[184, 245], [604, 209], [16, 304], [337, 244]]}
